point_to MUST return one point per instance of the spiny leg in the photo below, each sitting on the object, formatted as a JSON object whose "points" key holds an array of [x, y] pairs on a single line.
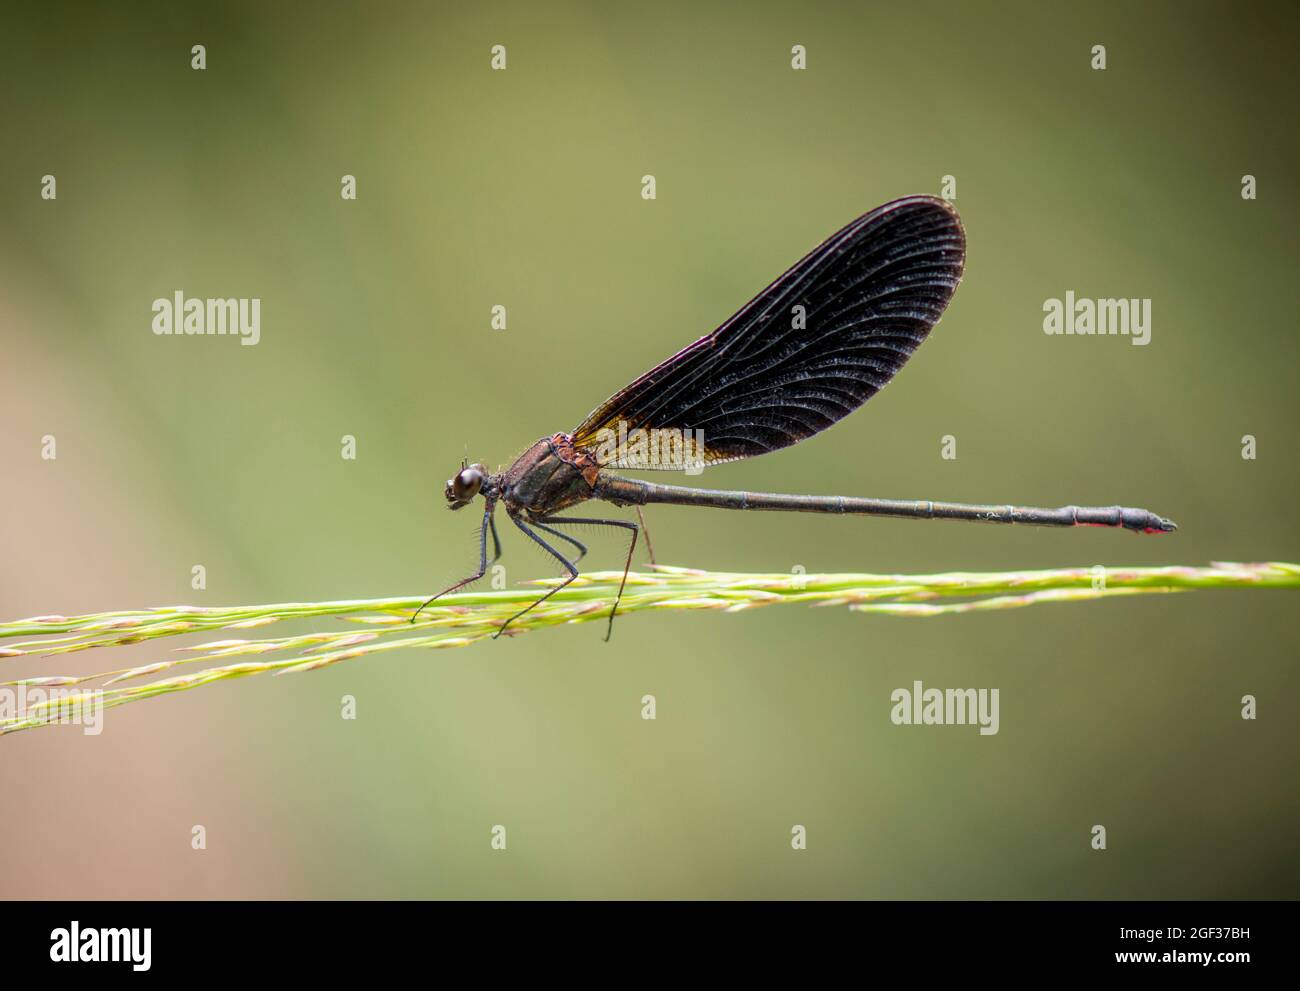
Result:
{"points": [[569, 565], [488, 524], [649, 545], [582, 548], [496, 541], [627, 565]]}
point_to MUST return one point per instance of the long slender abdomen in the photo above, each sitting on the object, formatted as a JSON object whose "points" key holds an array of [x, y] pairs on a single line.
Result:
{"points": [[633, 492]]}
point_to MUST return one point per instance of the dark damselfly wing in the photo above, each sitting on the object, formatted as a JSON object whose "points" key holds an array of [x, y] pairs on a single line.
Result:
{"points": [[773, 374]]}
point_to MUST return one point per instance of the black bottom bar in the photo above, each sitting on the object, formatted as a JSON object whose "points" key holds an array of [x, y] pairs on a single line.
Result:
{"points": [[916, 943]]}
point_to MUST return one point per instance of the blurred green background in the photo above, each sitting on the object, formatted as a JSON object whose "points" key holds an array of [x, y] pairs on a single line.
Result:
{"points": [[522, 188]]}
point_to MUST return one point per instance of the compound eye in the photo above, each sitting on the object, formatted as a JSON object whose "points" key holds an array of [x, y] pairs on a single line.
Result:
{"points": [[466, 485]]}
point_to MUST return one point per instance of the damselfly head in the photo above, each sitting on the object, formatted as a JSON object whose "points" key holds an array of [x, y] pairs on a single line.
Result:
{"points": [[462, 489]]}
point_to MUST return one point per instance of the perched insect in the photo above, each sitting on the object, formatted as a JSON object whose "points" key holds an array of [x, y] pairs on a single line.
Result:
{"points": [[803, 354]]}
